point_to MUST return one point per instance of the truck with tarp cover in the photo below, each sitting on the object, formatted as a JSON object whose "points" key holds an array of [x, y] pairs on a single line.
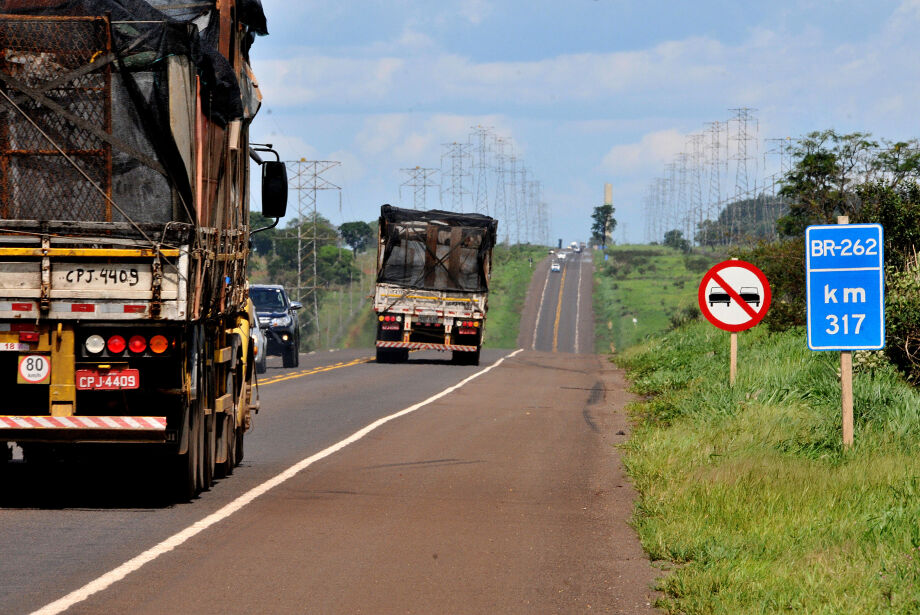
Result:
{"points": [[124, 230], [432, 292]]}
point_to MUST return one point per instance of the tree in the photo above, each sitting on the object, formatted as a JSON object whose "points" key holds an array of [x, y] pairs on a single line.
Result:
{"points": [[357, 235], [604, 223], [675, 239]]}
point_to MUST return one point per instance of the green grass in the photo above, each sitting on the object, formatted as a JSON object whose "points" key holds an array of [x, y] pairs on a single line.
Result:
{"points": [[511, 275], [747, 492], [651, 284]]}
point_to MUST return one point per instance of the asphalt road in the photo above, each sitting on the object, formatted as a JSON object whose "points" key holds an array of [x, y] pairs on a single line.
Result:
{"points": [[560, 318], [502, 495]]}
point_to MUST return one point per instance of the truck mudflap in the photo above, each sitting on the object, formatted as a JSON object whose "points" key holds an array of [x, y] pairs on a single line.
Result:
{"points": [[83, 428], [426, 346]]}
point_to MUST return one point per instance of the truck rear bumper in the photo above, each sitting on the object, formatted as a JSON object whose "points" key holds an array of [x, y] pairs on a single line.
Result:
{"points": [[83, 428], [427, 346]]}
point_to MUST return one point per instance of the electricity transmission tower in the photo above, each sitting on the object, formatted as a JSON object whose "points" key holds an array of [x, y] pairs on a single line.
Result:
{"points": [[419, 180], [460, 159], [743, 119], [306, 178], [481, 165], [501, 204]]}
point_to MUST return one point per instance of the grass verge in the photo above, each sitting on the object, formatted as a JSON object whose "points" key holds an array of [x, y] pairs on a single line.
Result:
{"points": [[747, 492], [640, 290], [512, 270]]}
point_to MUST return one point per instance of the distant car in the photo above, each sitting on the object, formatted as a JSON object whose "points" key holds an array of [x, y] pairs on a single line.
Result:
{"points": [[555, 267], [717, 295], [561, 256], [278, 321], [750, 294]]}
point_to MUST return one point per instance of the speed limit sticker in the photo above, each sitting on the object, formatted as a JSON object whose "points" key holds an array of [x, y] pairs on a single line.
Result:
{"points": [[34, 369]]}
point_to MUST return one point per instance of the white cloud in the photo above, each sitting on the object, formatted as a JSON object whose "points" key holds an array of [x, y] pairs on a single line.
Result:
{"points": [[650, 153]]}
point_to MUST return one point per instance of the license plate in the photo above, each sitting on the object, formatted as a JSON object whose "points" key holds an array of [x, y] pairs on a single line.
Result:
{"points": [[15, 346], [428, 319], [108, 380]]}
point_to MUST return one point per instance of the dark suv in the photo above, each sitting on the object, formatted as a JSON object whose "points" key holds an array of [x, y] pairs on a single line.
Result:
{"points": [[278, 321]]}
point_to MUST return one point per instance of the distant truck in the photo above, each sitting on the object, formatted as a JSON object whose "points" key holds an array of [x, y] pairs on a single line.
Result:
{"points": [[124, 232], [433, 270]]}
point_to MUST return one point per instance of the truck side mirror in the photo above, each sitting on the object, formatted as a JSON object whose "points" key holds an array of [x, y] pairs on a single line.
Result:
{"points": [[274, 189]]}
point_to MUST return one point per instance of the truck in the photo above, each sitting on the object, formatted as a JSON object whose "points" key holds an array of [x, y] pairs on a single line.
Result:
{"points": [[432, 287], [125, 321]]}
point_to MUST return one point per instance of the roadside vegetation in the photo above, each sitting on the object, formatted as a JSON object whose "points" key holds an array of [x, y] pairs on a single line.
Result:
{"points": [[512, 270], [747, 497], [746, 494], [643, 290]]}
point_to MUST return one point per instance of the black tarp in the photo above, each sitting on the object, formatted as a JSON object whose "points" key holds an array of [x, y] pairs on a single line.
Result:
{"points": [[144, 41], [436, 250]]}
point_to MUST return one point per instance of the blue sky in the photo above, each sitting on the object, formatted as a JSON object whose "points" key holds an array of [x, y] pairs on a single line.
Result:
{"points": [[589, 91]]}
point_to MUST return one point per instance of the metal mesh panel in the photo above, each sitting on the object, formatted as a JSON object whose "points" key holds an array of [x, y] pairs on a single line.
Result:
{"points": [[44, 55]]}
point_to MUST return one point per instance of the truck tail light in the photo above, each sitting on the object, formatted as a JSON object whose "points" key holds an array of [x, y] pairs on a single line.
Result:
{"points": [[28, 336], [116, 344], [94, 344], [158, 344], [137, 344]]}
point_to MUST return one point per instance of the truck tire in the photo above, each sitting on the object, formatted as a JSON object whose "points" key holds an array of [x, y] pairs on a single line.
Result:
{"points": [[392, 355], [184, 477], [465, 358], [261, 366]]}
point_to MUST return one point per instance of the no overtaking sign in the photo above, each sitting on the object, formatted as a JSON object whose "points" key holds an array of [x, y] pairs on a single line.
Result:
{"points": [[734, 295]]}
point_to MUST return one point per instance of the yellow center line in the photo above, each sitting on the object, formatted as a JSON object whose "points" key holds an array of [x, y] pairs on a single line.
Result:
{"points": [[558, 312], [316, 370]]}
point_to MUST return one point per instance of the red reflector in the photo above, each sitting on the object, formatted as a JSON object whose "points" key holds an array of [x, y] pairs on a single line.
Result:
{"points": [[135, 309], [116, 344], [28, 336], [82, 307], [137, 343], [22, 307]]}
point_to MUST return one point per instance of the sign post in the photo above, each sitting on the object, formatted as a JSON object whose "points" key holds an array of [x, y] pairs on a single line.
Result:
{"points": [[734, 296], [845, 293]]}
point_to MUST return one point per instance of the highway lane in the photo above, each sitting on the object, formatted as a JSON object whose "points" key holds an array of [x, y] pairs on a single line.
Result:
{"points": [[505, 495], [564, 320], [62, 527]]}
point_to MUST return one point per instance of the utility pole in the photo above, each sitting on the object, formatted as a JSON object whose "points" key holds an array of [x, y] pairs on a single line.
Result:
{"points": [[419, 180], [306, 178]]}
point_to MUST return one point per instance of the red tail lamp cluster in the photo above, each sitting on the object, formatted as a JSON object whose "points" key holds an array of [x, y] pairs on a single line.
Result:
{"points": [[469, 323], [389, 318], [116, 344]]}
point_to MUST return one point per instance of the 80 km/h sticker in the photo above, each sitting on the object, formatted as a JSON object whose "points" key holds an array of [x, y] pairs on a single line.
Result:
{"points": [[34, 369]]}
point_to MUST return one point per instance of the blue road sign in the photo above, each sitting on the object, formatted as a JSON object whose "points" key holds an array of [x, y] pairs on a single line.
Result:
{"points": [[845, 286]]}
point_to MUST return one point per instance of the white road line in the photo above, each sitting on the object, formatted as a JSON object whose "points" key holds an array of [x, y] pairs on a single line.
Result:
{"points": [[132, 565], [536, 326]]}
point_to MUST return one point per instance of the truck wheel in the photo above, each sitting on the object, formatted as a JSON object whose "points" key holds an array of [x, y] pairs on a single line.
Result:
{"points": [[290, 358], [228, 428], [238, 453], [208, 458], [392, 355], [261, 366], [184, 477], [465, 358]]}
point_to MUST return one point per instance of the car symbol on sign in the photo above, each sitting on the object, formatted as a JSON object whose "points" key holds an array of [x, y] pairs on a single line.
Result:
{"points": [[750, 294]]}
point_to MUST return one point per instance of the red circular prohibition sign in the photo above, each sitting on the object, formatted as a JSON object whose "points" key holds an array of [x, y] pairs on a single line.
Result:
{"points": [[713, 275]]}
